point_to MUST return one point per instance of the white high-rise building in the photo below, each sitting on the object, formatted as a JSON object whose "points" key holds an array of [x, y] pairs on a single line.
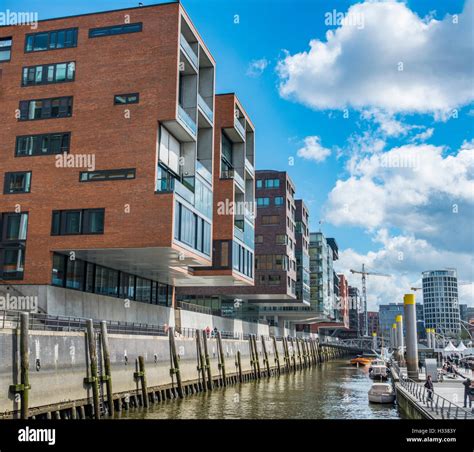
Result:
{"points": [[441, 302]]}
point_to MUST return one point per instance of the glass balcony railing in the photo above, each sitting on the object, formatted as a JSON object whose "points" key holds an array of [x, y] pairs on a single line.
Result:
{"points": [[249, 167], [239, 127], [169, 184], [184, 116], [188, 50], [239, 229], [232, 174], [205, 108], [203, 172]]}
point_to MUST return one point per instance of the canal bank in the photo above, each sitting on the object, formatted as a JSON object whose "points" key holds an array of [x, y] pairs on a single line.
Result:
{"points": [[331, 390], [92, 372]]}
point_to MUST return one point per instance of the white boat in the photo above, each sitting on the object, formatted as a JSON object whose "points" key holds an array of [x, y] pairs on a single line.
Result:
{"points": [[381, 393], [378, 372]]}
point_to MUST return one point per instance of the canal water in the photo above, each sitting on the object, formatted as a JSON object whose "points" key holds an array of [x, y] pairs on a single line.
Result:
{"points": [[332, 390]]}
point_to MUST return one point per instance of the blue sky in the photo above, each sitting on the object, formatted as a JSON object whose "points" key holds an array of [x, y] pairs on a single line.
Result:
{"points": [[297, 97]]}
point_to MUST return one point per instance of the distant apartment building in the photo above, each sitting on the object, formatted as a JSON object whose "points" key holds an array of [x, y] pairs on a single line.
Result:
{"points": [[373, 322], [108, 168], [441, 302], [322, 253], [303, 288], [388, 312], [343, 309], [463, 312], [355, 310]]}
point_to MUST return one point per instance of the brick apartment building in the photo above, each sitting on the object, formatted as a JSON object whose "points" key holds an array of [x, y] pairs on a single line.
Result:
{"points": [[107, 159]]}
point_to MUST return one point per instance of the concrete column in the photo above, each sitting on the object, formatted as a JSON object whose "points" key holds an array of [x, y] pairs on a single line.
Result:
{"points": [[400, 344], [411, 336], [428, 337]]}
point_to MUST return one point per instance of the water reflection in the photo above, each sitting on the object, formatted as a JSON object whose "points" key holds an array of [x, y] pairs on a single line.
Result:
{"points": [[334, 390]]}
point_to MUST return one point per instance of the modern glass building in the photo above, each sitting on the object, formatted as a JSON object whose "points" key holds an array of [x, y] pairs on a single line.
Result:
{"points": [[441, 302]]}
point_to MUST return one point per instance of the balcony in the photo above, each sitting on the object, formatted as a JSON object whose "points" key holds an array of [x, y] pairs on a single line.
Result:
{"points": [[249, 167], [239, 127], [203, 172], [185, 189], [232, 174], [187, 120], [187, 49], [205, 108], [239, 229]]}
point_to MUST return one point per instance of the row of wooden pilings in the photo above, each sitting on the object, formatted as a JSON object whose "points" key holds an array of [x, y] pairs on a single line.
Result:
{"points": [[299, 354]]}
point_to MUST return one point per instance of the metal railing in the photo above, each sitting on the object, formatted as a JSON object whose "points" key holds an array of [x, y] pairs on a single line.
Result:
{"points": [[436, 403], [194, 307], [186, 118], [205, 108]]}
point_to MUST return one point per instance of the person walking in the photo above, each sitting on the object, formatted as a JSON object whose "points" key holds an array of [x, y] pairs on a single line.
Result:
{"points": [[430, 388], [467, 389]]}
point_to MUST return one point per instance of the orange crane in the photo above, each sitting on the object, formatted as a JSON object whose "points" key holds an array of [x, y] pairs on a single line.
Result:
{"points": [[364, 274]]}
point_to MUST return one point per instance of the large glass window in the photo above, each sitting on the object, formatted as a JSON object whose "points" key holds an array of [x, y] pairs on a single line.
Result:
{"points": [[5, 49], [169, 150], [49, 73], [86, 221], [75, 274], [44, 144], [58, 107], [226, 156], [17, 182], [14, 226], [50, 40]]}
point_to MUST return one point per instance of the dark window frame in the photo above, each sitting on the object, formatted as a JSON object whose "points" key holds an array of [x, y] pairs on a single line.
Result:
{"points": [[50, 32], [108, 173], [70, 106], [124, 28], [60, 229], [44, 69], [7, 180], [39, 137], [127, 96], [4, 48]]}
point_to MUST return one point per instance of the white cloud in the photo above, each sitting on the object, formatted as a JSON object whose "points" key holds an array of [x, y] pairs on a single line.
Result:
{"points": [[413, 188], [358, 68], [257, 67], [404, 257], [423, 136], [313, 150]]}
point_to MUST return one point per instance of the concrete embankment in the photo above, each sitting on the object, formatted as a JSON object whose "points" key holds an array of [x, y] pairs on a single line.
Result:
{"points": [[76, 375]]}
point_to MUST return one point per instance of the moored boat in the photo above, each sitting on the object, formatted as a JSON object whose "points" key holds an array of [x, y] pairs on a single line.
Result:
{"points": [[381, 393], [361, 361]]}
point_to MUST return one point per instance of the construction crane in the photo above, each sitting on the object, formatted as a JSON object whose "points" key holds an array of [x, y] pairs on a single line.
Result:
{"points": [[364, 291]]}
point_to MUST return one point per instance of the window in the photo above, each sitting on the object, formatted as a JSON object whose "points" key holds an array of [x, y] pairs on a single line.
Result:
{"points": [[49, 73], [107, 175], [170, 150], [17, 182], [226, 156], [13, 228], [115, 30], [46, 144], [279, 201], [123, 99], [270, 219], [259, 239], [5, 49], [263, 202], [51, 40], [272, 183], [259, 183], [281, 239], [72, 222], [58, 107]]}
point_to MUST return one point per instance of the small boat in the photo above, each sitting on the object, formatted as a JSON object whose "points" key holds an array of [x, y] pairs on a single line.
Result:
{"points": [[360, 361], [381, 393], [378, 372]]}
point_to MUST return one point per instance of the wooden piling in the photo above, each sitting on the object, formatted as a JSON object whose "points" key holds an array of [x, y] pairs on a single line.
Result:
{"points": [[175, 362], [202, 364], [287, 355], [108, 373], [93, 380], [141, 374], [239, 365], [208, 362], [293, 354], [221, 359], [277, 358], [24, 363], [265, 356], [257, 359]]}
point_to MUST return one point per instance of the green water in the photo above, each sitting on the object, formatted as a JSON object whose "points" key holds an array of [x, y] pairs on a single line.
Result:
{"points": [[333, 390]]}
